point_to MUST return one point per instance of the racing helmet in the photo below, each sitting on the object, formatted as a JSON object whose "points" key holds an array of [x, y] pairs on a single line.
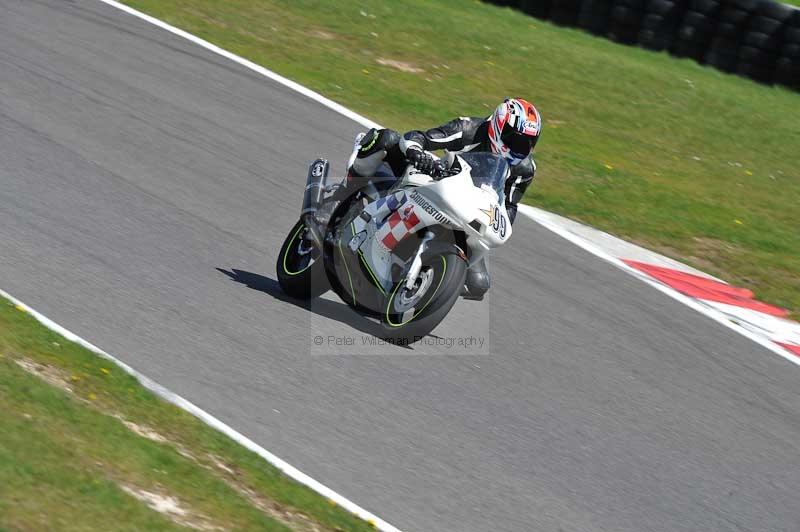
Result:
{"points": [[514, 128]]}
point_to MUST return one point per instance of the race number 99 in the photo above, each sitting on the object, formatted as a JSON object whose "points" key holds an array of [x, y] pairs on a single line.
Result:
{"points": [[499, 224]]}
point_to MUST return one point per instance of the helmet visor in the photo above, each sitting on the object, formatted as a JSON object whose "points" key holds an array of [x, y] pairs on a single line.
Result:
{"points": [[519, 144]]}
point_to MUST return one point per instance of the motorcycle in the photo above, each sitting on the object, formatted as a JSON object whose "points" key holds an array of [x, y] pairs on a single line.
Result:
{"points": [[397, 250]]}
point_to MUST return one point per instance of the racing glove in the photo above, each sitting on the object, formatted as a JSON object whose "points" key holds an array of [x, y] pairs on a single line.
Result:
{"points": [[422, 160]]}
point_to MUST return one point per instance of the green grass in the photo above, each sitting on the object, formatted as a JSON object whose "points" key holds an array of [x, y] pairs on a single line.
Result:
{"points": [[65, 456], [686, 160]]}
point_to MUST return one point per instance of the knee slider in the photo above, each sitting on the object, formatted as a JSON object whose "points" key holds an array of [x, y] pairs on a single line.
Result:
{"points": [[377, 140], [372, 151]]}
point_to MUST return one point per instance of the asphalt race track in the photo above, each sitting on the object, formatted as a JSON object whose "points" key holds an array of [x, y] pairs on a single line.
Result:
{"points": [[145, 188]]}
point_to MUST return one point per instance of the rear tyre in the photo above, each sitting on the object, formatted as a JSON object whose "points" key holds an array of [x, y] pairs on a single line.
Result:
{"points": [[410, 315], [301, 271]]}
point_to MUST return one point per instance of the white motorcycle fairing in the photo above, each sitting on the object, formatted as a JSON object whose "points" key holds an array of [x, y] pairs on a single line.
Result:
{"points": [[419, 204]]}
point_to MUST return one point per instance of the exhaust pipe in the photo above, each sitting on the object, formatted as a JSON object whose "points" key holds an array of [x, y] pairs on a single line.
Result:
{"points": [[315, 186], [312, 199]]}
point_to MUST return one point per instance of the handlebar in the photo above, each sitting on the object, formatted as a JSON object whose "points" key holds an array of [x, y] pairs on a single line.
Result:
{"points": [[440, 171]]}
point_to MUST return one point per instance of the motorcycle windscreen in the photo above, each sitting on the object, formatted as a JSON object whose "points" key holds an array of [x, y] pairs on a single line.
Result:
{"points": [[489, 170]]}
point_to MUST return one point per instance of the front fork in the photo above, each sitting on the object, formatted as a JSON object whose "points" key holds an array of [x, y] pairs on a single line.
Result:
{"points": [[416, 263]]}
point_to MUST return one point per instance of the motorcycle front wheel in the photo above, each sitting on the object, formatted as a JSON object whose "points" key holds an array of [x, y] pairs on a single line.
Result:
{"points": [[300, 268], [410, 314]]}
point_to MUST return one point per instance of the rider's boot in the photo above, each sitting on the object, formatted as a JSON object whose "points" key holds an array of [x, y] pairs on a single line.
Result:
{"points": [[478, 281], [369, 153]]}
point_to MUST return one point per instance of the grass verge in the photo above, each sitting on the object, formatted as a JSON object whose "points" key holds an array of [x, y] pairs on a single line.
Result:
{"points": [[699, 165], [85, 447]]}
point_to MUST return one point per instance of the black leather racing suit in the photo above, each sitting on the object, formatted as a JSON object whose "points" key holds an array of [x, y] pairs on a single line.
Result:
{"points": [[459, 135]]}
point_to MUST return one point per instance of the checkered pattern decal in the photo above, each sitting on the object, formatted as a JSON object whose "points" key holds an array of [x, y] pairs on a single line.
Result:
{"points": [[391, 202], [399, 223]]}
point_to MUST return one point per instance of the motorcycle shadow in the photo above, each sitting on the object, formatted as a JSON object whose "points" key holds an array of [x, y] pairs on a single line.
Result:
{"points": [[333, 310]]}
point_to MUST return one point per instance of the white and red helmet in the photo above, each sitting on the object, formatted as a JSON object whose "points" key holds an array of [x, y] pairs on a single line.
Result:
{"points": [[514, 128]]}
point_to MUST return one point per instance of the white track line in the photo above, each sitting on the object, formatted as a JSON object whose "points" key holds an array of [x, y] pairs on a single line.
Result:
{"points": [[305, 91], [537, 216], [208, 419], [288, 469]]}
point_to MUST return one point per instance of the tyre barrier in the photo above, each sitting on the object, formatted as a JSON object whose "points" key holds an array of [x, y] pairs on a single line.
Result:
{"points": [[787, 66], [723, 52], [763, 41], [536, 8], [758, 39], [594, 16], [626, 21], [565, 12], [697, 29], [661, 23]]}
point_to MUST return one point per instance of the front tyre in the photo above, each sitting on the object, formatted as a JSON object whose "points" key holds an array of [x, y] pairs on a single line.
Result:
{"points": [[411, 314], [300, 268]]}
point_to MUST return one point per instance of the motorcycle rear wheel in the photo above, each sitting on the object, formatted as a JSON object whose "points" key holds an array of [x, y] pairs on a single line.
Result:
{"points": [[411, 314], [300, 268]]}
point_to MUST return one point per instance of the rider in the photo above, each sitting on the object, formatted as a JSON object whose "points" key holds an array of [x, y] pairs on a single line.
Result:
{"points": [[511, 131]]}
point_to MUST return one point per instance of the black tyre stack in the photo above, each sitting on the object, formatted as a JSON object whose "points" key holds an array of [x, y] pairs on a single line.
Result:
{"points": [[763, 41], [787, 66], [595, 16], [660, 24], [723, 53], [697, 29], [536, 8], [565, 12], [626, 21], [759, 39]]}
